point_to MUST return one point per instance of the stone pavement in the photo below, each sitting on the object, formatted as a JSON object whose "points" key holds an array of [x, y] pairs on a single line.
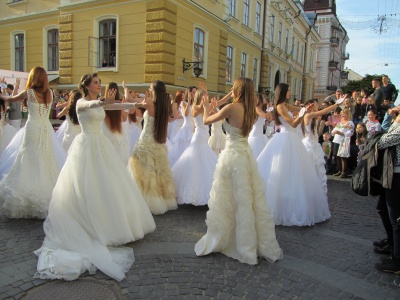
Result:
{"points": [[331, 260]]}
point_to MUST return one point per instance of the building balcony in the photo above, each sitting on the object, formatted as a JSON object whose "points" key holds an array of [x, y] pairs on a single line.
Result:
{"points": [[345, 56], [344, 75], [333, 65], [334, 41], [331, 88]]}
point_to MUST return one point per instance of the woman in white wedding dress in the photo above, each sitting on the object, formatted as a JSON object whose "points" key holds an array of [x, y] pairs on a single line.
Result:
{"points": [[294, 191], [182, 139], [310, 141], [257, 139], [95, 204], [193, 172], [72, 128], [239, 223], [149, 164], [7, 132], [25, 189]]}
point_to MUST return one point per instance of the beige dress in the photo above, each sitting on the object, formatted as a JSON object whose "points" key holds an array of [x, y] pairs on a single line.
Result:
{"points": [[150, 167]]}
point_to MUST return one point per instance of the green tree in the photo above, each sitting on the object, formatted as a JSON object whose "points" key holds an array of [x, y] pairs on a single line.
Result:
{"points": [[357, 85]]}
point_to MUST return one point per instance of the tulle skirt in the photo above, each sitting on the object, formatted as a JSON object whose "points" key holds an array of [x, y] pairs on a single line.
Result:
{"points": [[217, 142], [316, 153], [95, 205], [26, 186], [179, 144], [257, 143], [193, 173], [294, 192], [149, 166], [7, 133], [239, 223]]}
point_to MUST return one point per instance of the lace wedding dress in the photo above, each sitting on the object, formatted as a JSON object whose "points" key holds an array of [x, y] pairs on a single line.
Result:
{"points": [[193, 173], [25, 191], [149, 166], [239, 223], [95, 206]]}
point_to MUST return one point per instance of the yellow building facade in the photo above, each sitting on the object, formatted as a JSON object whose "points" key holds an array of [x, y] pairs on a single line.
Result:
{"points": [[140, 41]]}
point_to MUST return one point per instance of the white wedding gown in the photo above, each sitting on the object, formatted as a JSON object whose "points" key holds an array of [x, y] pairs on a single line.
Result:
{"points": [[95, 205], [70, 132], [314, 149], [120, 142], [257, 139], [239, 223], [133, 131], [182, 139], [193, 173], [25, 189], [294, 192]]}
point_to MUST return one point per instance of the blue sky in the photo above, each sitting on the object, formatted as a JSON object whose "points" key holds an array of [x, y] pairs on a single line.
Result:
{"points": [[370, 51]]}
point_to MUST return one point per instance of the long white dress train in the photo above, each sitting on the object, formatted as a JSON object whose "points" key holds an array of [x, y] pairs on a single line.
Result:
{"points": [[25, 192], [193, 172], [294, 193], [239, 223], [95, 205]]}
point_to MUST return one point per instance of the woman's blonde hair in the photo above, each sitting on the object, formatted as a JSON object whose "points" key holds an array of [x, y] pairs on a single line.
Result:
{"points": [[347, 112], [243, 89]]}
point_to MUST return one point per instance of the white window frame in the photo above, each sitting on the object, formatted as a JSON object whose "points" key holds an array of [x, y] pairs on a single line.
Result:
{"points": [[205, 54], [272, 28], [12, 48], [232, 63], [255, 72], [280, 28], [243, 64], [246, 12], [45, 48], [232, 7], [257, 27], [96, 29]]}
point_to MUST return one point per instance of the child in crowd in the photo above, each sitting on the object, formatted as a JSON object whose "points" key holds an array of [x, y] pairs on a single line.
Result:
{"points": [[327, 147], [361, 139], [372, 123]]}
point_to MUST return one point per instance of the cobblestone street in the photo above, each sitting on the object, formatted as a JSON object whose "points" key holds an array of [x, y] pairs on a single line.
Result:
{"points": [[332, 260]]}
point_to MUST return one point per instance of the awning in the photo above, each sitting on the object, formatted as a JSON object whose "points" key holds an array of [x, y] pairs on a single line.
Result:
{"points": [[52, 77]]}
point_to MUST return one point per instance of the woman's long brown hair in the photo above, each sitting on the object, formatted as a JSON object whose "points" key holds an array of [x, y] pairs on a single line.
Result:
{"points": [[243, 89], [280, 97], [38, 81], [113, 117], [162, 107]]}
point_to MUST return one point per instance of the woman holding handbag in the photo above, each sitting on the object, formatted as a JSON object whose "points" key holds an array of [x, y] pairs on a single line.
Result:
{"points": [[343, 131]]}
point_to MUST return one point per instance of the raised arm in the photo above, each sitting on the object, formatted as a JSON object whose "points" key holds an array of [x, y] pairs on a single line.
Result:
{"points": [[62, 113], [224, 99], [284, 113], [20, 97]]}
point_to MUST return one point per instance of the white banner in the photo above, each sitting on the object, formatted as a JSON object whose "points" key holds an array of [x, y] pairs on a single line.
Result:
{"points": [[10, 77]]}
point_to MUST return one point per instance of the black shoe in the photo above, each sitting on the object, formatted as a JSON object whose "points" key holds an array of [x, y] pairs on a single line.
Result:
{"points": [[391, 265], [338, 173], [384, 250], [380, 243]]}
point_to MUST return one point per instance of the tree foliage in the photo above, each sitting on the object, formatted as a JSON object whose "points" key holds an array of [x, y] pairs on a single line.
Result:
{"points": [[364, 83]]}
